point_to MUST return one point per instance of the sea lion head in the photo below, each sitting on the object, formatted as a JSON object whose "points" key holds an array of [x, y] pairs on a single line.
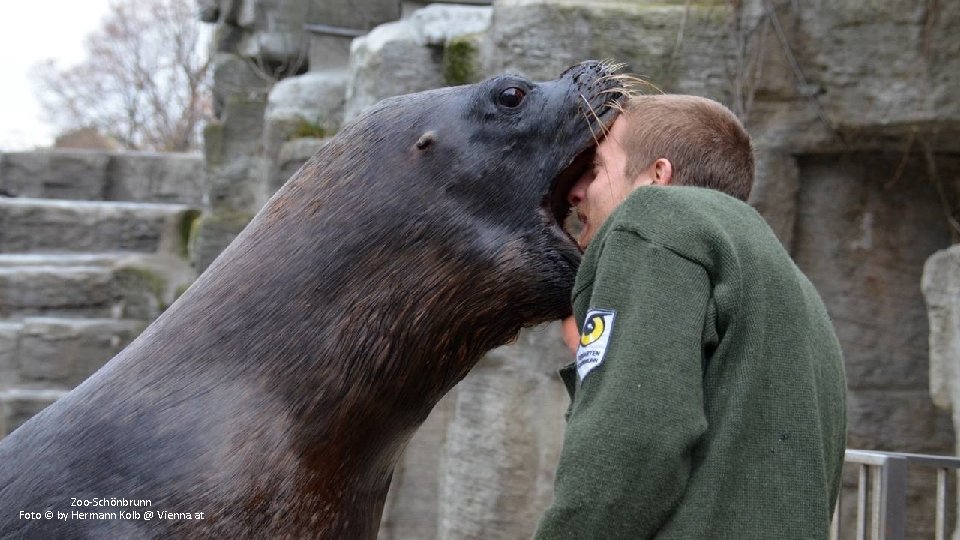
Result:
{"points": [[432, 224], [490, 164], [509, 149]]}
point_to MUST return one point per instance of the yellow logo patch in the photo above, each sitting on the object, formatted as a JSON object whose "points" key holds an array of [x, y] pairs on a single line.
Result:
{"points": [[594, 337], [592, 330]]}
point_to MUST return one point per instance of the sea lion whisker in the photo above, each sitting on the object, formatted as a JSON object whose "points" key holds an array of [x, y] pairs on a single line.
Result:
{"points": [[593, 133], [619, 92], [611, 65], [616, 105], [589, 119], [593, 112], [631, 81]]}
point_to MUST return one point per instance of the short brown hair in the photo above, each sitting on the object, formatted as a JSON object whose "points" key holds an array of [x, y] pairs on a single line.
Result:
{"points": [[704, 141]]}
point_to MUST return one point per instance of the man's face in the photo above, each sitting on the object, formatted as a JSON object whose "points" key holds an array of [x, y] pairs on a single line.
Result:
{"points": [[600, 190]]}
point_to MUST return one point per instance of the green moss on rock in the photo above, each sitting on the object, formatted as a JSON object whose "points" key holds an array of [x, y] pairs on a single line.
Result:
{"points": [[304, 129], [143, 278], [188, 227], [460, 62]]}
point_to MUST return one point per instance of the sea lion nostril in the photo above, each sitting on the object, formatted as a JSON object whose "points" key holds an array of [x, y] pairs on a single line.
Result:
{"points": [[426, 140]]}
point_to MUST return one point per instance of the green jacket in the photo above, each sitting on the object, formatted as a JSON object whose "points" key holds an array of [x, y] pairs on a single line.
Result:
{"points": [[710, 396]]}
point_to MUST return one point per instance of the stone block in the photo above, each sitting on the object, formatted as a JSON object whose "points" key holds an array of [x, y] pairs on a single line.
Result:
{"points": [[242, 124], [862, 241], [283, 53], [899, 421], [315, 97], [155, 177], [328, 52], [64, 352], [235, 167], [17, 405], [136, 287], [213, 232], [411, 507], [482, 465], [355, 14], [438, 23], [144, 286], [917, 46], [235, 75], [678, 48], [309, 105], [9, 345], [406, 56], [274, 31], [784, 125], [32, 225], [60, 174], [306, 106], [775, 188], [941, 288], [237, 185], [74, 290], [293, 154], [389, 61], [504, 440]]}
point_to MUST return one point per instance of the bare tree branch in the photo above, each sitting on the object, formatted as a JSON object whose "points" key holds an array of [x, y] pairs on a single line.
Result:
{"points": [[145, 81]]}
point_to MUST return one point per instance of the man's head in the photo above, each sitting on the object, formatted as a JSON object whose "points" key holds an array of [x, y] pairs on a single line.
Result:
{"points": [[664, 140]]}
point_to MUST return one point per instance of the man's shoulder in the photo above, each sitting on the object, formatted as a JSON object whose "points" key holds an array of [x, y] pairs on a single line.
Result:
{"points": [[667, 201], [698, 223], [662, 210]]}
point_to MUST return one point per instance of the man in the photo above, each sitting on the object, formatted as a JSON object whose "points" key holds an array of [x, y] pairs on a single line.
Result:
{"points": [[708, 388]]}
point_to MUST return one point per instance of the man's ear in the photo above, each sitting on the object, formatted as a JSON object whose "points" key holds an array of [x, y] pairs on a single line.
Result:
{"points": [[662, 172]]}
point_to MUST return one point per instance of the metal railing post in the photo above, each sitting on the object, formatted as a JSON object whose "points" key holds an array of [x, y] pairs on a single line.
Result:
{"points": [[890, 500]]}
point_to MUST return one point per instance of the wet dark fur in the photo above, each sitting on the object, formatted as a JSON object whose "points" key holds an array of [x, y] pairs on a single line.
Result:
{"points": [[276, 394]]}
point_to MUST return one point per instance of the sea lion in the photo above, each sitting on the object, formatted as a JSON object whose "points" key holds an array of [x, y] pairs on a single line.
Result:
{"points": [[273, 398]]}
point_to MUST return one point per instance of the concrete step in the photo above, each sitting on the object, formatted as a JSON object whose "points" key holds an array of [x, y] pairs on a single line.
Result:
{"points": [[48, 225], [17, 405], [53, 352], [95, 175], [110, 285], [60, 259]]}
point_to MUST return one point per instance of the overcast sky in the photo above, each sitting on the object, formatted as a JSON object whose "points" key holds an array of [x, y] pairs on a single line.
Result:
{"points": [[31, 31]]}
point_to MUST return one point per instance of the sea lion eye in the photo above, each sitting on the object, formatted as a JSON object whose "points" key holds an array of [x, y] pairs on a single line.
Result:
{"points": [[512, 97]]}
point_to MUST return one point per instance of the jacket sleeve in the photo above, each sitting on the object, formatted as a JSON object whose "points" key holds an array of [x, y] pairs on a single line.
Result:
{"points": [[638, 415]]}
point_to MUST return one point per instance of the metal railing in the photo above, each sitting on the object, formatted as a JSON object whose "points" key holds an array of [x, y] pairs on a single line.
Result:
{"points": [[882, 493]]}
